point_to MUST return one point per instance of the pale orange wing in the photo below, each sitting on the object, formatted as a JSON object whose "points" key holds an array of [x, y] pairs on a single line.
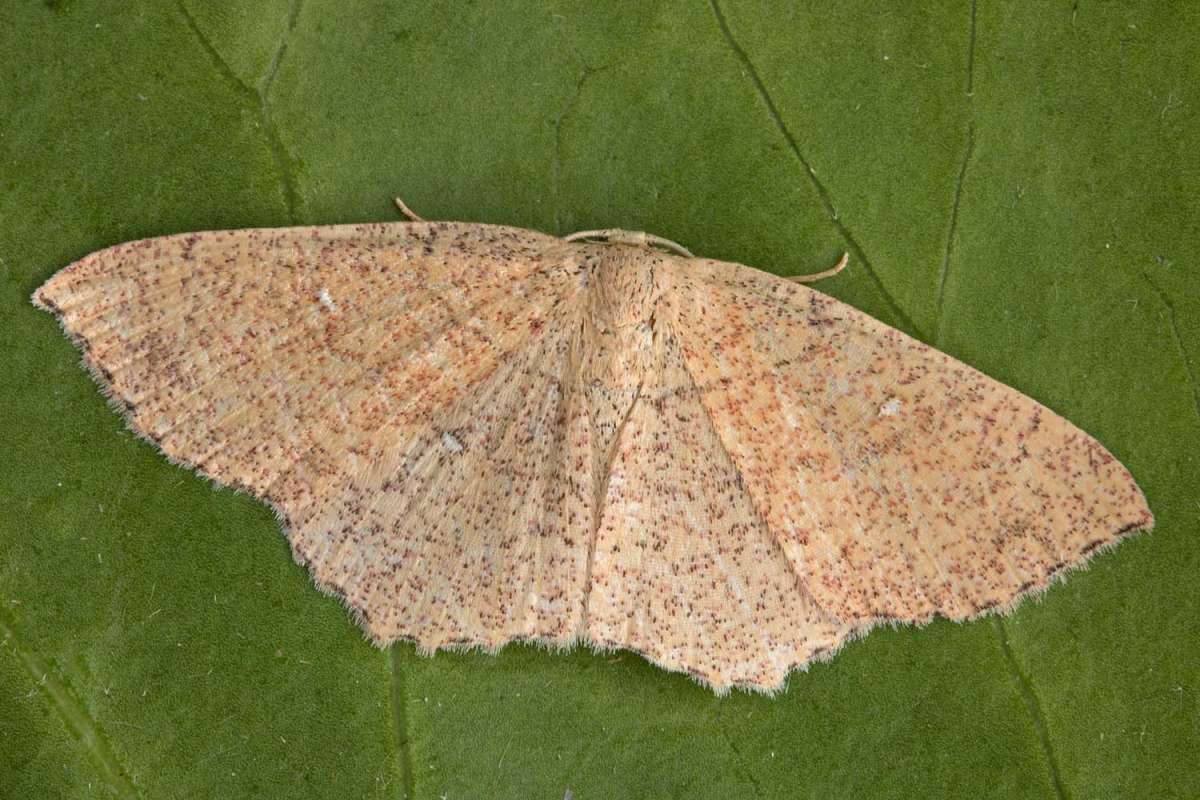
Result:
{"points": [[899, 482], [372, 382], [685, 570], [471, 525]]}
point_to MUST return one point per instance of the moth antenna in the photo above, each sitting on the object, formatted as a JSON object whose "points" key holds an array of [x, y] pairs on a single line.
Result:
{"points": [[829, 273], [618, 236], [406, 211]]}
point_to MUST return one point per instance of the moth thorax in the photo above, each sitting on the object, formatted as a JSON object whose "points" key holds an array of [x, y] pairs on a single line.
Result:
{"points": [[623, 290]]}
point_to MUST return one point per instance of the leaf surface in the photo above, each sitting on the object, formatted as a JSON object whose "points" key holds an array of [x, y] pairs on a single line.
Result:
{"points": [[1015, 186]]}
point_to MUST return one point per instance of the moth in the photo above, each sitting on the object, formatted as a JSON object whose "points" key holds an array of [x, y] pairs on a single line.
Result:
{"points": [[474, 434]]}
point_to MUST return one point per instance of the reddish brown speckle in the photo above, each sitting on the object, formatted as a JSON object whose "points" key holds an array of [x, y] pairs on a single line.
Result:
{"points": [[477, 434]]}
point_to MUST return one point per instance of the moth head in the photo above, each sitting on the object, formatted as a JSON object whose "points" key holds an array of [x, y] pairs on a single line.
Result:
{"points": [[621, 285]]}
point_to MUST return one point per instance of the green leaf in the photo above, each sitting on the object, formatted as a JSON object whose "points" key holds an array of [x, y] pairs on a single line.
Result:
{"points": [[1016, 184]]}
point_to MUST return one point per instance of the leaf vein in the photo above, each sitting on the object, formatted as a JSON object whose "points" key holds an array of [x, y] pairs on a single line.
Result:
{"points": [[742, 763], [944, 272], [256, 99], [1173, 323], [73, 712], [556, 163], [971, 51], [1025, 689], [400, 717], [898, 313], [949, 251], [283, 158]]}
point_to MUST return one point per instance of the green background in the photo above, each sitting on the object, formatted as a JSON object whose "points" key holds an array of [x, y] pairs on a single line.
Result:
{"points": [[1016, 183]]}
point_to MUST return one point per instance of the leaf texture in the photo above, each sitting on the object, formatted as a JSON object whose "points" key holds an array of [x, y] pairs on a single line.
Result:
{"points": [[1020, 185]]}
